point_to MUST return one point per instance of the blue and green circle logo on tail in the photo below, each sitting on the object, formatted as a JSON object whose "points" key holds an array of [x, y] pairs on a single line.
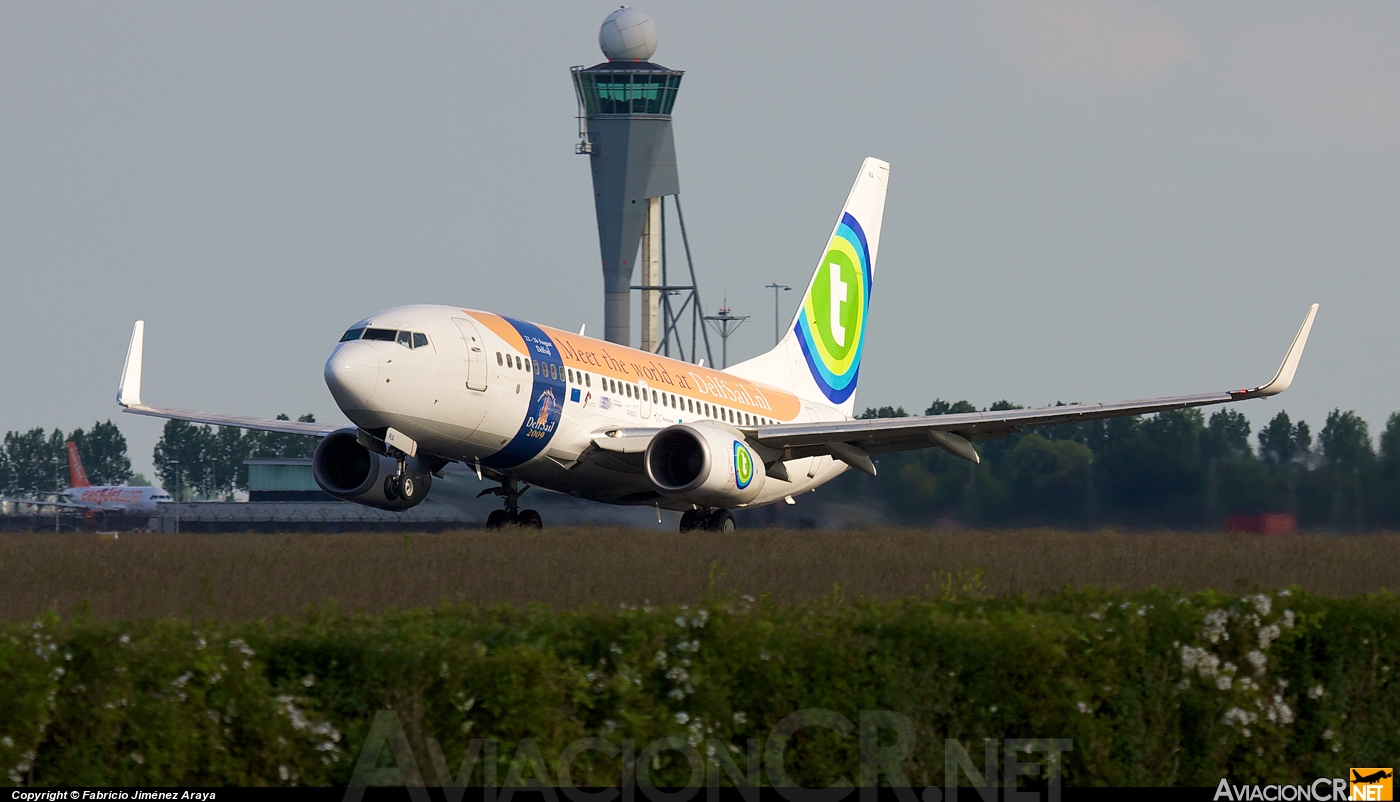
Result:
{"points": [[831, 324], [743, 465]]}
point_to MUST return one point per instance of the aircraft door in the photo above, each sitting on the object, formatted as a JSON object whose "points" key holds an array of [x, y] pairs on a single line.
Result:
{"points": [[646, 399], [476, 354]]}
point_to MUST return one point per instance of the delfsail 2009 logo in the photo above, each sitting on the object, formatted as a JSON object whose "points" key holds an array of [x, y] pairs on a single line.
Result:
{"points": [[541, 424], [743, 465], [831, 322]]}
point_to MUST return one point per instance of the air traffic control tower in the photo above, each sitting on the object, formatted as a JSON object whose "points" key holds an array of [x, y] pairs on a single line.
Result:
{"points": [[625, 116]]}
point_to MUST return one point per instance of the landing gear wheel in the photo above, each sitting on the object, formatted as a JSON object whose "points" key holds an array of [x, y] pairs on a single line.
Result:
{"points": [[692, 520], [391, 487], [412, 490], [529, 519], [497, 519], [721, 521]]}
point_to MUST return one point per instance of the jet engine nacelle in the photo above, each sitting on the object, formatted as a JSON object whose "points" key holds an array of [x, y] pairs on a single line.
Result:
{"points": [[704, 465], [344, 468]]}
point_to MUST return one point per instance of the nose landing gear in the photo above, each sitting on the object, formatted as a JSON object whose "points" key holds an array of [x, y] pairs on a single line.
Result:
{"points": [[510, 493], [403, 485]]}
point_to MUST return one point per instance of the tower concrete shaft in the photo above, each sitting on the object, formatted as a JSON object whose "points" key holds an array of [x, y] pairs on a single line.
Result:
{"points": [[651, 277], [626, 106]]}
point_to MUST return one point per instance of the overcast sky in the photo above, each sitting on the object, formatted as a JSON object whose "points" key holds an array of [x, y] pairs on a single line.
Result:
{"points": [[1089, 201]]}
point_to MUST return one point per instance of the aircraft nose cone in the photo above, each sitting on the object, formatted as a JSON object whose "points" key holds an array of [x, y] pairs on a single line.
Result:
{"points": [[352, 372]]}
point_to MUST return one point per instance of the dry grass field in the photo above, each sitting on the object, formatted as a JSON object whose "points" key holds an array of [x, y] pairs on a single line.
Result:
{"points": [[249, 575]]}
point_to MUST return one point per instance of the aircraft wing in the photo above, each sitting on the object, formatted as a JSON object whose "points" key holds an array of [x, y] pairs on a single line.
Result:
{"points": [[853, 441], [38, 503], [129, 396]]}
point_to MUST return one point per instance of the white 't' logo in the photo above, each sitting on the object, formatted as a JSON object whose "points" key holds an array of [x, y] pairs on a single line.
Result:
{"points": [[838, 297]]}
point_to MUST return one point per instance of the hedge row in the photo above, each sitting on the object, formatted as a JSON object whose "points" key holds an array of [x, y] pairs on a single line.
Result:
{"points": [[1153, 688]]}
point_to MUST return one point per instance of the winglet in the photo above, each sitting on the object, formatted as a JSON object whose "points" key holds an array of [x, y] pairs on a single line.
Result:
{"points": [[1284, 377], [129, 393]]}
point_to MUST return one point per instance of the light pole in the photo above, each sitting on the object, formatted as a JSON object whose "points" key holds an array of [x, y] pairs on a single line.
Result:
{"points": [[57, 492], [177, 496], [726, 324], [777, 290]]}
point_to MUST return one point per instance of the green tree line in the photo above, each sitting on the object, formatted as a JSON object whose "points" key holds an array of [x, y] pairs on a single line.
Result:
{"points": [[1173, 469], [202, 461], [34, 463], [208, 460]]}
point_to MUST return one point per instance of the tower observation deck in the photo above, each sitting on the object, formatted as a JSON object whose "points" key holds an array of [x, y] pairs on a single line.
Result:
{"points": [[625, 127]]}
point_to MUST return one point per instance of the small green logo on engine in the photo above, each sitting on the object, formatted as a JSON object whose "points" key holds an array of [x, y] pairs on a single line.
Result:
{"points": [[743, 465]]}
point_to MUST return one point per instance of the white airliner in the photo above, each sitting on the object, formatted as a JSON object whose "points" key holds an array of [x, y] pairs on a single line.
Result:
{"points": [[528, 405], [84, 495]]}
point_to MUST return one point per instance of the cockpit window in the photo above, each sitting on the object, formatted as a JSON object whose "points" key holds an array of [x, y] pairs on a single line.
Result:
{"points": [[353, 334], [420, 340], [386, 335], [406, 339]]}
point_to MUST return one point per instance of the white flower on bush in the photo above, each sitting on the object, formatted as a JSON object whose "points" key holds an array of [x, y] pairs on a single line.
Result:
{"points": [[1223, 682], [682, 717], [1287, 620], [740, 718], [1268, 635], [1214, 630], [1257, 659], [1202, 661], [1262, 603], [1278, 711], [1239, 717], [1315, 692]]}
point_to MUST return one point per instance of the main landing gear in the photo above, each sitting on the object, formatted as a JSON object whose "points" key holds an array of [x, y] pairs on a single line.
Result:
{"points": [[707, 520], [510, 493]]}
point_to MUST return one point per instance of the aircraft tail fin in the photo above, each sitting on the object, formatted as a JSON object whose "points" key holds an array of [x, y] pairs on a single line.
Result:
{"points": [[819, 357], [76, 475]]}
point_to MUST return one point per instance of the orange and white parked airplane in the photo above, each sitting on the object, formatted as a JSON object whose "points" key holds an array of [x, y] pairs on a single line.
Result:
{"points": [[84, 495]]}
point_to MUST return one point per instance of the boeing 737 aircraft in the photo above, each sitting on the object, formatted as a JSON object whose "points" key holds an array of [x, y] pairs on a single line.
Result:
{"points": [[527, 405], [84, 495]]}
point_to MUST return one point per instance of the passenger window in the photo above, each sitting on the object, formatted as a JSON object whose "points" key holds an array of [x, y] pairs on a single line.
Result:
{"points": [[518, 364], [588, 379], [554, 371], [499, 360], [527, 363], [654, 399], [353, 334], [420, 340]]}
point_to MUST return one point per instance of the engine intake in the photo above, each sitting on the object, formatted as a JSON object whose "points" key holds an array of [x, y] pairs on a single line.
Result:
{"points": [[704, 465], [344, 468]]}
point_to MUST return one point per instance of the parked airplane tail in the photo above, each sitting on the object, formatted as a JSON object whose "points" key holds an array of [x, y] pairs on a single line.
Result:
{"points": [[76, 475], [819, 358]]}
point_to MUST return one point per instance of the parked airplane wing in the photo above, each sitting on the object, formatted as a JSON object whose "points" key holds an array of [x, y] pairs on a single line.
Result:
{"points": [[956, 433], [38, 503], [129, 396]]}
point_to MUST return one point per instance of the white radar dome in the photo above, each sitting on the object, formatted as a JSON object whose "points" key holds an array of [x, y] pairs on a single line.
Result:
{"points": [[628, 35]]}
